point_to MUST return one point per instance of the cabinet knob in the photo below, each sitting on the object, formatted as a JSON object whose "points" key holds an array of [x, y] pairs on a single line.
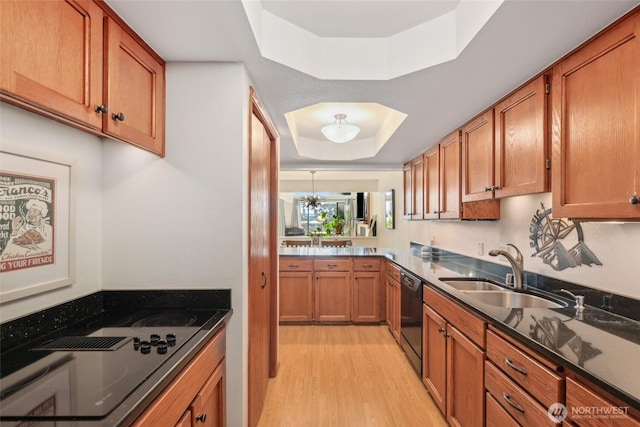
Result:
{"points": [[487, 188], [441, 330], [119, 116], [102, 108], [202, 417], [634, 200]]}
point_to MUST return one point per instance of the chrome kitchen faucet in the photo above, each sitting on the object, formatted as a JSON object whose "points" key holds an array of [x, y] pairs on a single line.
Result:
{"points": [[517, 264]]}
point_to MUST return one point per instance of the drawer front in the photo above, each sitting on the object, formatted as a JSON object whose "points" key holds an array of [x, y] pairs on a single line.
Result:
{"points": [[295, 264], [497, 416], [543, 384], [582, 400], [393, 271], [332, 264], [522, 407], [467, 323], [366, 264]]}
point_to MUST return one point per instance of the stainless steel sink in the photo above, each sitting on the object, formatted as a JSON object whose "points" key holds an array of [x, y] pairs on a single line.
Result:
{"points": [[466, 284], [511, 299]]}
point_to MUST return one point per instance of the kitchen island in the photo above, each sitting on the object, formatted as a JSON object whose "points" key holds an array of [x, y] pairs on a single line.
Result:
{"points": [[594, 346]]}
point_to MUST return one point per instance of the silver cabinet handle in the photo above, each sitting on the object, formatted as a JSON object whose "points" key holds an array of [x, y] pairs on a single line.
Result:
{"points": [[294, 265], [506, 397], [367, 265], [514, 367], [332, 265]]}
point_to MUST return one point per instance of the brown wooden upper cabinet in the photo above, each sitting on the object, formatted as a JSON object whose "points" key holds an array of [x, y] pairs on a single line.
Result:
{"points": [[417, 187], [521, 148], [442, 179], [78, 63], [407, 193], [478, 158], [595, 96]]}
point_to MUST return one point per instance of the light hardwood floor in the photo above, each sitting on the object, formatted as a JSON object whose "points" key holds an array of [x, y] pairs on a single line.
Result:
{"points": [[345, 376]]}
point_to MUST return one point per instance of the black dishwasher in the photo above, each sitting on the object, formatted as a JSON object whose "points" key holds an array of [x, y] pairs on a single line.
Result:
{"points": [[411, 318]]}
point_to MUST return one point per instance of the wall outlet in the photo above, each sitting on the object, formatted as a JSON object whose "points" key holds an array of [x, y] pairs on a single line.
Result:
{"points": [[480, 248]]}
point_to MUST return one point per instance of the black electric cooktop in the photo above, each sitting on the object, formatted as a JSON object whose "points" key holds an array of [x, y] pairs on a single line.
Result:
{"points": [[84, 372]]}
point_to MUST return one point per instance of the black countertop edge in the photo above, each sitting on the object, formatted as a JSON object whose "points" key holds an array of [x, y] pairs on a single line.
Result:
{"points": [[20, 331]]}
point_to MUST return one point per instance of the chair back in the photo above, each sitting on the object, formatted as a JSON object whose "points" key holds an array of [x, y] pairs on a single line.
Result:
{"points": [[297, 243], [336, 243]]}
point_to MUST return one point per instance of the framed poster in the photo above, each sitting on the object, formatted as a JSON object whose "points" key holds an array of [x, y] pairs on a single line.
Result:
{"points": [[36, 226]]}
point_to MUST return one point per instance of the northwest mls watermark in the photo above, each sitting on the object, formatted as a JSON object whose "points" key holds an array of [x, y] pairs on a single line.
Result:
{"points": [[558, 412]]}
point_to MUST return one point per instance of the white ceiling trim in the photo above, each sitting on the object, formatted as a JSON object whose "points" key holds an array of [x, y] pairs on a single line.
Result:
{"points": [[436, 41]]}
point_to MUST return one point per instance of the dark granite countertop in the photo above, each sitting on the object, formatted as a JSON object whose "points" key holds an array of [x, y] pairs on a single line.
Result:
{"points": [[598, 344], [76, 315]]}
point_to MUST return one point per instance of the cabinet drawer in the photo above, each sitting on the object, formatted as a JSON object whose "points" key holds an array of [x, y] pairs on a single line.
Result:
{"points": [[470, 325], [393, 271], [522, 407], [296, 264], [366, 264], [542, 383], [497, 416], [332, 264], [583, 401]]}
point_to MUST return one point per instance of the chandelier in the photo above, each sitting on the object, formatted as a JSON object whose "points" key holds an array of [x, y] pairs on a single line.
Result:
{"points": [[340, 132], [312, 201]]}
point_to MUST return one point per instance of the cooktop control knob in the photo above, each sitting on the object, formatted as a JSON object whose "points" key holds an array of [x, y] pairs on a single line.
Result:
{"points": [[154, 339], [145, 347], [162, 347], [136, 343], [171, 339]]}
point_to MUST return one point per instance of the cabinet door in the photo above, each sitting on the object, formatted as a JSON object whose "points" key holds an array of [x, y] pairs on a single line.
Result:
{"points": [[296, 296], [395, 321], [465, 381], [434, 356], [478, 158], [366, 297], [52, 57], [332, 297], [450, 177], [432, 183], [417, 187], [389, 302], [521, 142], [596, 127], [407, 199], [208, 408], [134, 91]]}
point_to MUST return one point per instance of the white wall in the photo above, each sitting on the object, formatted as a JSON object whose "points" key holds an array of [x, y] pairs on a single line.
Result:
{"points": [[181, 221], [24, 132]]}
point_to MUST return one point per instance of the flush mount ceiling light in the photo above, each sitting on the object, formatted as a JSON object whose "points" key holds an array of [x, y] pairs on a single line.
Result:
{"points": [[340, 131]]}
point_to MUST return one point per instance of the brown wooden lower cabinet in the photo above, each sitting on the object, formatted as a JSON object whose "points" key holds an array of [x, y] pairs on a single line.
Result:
{"points": [[587, 407], [332, 293], [392, 295], [496, 415], [196, 397], [463, 366], [343, 289]]}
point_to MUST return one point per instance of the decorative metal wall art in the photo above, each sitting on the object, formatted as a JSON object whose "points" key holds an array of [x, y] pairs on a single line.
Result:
{"points": [[546, 235]]}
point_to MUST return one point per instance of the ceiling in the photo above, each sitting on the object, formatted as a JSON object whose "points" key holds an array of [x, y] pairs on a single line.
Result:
{"points": [[521, 39]]}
